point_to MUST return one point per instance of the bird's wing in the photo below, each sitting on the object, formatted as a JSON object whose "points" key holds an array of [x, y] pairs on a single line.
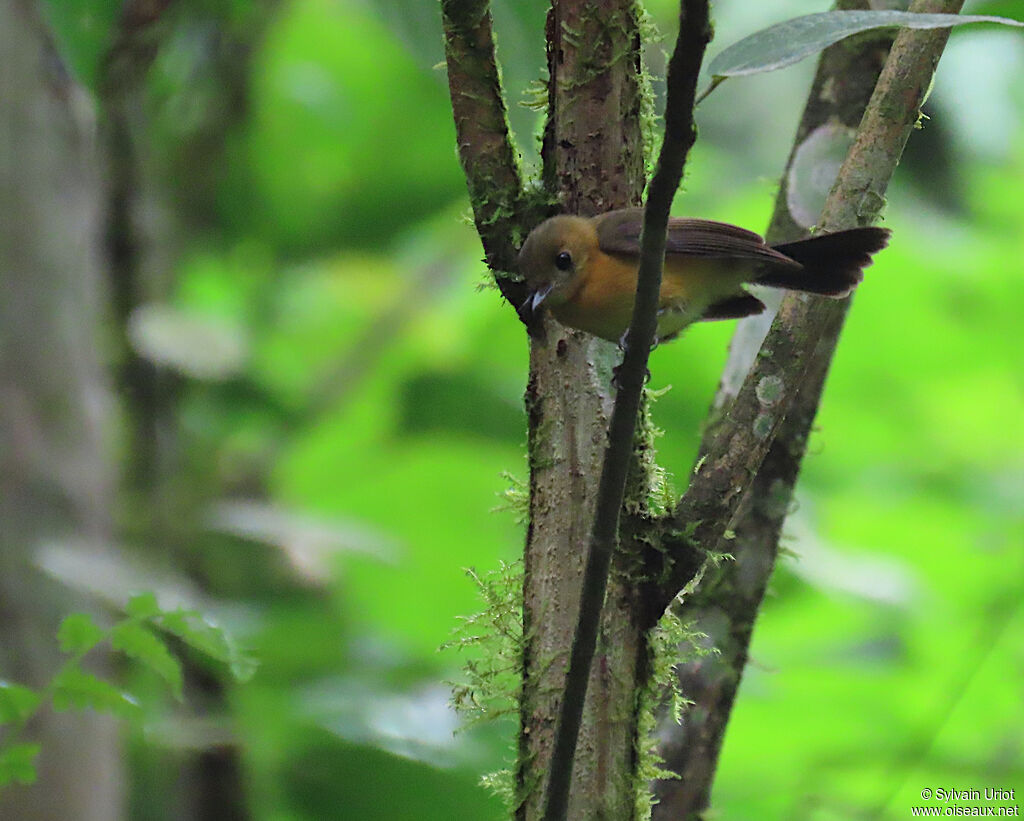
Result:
{"points": [[618, 232]]}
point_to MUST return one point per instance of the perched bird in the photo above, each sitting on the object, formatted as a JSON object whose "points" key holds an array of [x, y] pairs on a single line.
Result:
{"points": [[585, 270]]}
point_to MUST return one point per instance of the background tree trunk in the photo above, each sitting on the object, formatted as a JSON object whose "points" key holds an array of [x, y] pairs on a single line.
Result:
{"points": [[55, 481], [149, 215]]}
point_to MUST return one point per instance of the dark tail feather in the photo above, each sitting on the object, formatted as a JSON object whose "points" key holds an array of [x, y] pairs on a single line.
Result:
{"points": [[833, 263]]}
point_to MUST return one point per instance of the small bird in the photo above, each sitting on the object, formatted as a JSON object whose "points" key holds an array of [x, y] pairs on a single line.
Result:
{"points": [[584, 270]]}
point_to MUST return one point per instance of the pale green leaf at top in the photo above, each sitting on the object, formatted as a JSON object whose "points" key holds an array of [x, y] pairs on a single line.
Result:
{"points": [[17, 702], [75, 688], [78, 633], [791, 41], [143, 645], [18, 764]]}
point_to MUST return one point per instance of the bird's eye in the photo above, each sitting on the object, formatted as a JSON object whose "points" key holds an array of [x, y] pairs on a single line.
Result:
{"points": [[563, 262]]}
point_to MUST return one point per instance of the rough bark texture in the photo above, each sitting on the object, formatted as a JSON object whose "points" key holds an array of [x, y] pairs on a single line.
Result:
{"points": [[488, 157], [593, 158], [593, 161], [55, 481], [620, 453], [726, 609], [725, 606]]}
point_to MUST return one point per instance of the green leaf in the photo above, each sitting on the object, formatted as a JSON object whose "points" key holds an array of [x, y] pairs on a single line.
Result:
{"points": [[17, 764], [78, 633], [209, 639], [791, 41], [143, 606], [17, 702], [147, 648], [73, 687]]}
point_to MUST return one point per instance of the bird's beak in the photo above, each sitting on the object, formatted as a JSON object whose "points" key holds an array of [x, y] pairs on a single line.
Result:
{"points": [[539, 296]]}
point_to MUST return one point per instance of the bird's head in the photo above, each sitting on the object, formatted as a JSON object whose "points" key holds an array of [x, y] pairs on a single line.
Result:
{"points": [[554, 257]]}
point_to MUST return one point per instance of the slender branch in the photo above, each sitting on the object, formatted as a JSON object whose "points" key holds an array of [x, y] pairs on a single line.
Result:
{"points": [[694, 34], [725, 605], [732, 603], [858, 196], [484, 139], [796, 339]]}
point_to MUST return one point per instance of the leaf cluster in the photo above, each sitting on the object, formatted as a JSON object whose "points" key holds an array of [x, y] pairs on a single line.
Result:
{"points": [[140, 635]]}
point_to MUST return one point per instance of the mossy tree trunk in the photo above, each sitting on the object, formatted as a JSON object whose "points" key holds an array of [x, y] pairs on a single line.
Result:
{"points": [[593, 162], [726, 605], [593, 157]]}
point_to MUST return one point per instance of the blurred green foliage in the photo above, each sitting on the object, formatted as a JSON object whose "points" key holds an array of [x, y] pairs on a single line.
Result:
{"points": [[377, 401], [335, 155], [139, 636]]}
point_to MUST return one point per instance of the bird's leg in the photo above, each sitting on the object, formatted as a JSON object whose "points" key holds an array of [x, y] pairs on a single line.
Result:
{"points": [[622, 347]]}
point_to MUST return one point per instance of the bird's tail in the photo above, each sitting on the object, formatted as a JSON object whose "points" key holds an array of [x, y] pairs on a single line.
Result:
{"points": [[833, 264]]}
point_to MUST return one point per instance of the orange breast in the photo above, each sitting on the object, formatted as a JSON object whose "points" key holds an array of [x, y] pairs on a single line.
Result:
{"points": [[603, 304]]}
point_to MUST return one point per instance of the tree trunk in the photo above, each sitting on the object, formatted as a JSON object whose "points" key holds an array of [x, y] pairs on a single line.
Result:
{"points": [[593, 159], [56, 483], [840, 92]]}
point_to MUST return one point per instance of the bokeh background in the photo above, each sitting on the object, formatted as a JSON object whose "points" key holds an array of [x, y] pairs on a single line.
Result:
{"points": [[340, 407]]}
